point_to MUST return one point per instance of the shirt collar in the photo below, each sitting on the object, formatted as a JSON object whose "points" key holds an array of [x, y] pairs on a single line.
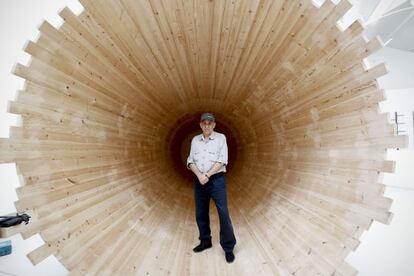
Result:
{"points": [[211, 137]]}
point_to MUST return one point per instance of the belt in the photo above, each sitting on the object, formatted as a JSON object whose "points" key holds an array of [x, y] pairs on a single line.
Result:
{"points": [[216, 175]]}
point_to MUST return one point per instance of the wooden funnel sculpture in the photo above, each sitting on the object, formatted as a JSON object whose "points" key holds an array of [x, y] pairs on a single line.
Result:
{"points": [[113, 97]]}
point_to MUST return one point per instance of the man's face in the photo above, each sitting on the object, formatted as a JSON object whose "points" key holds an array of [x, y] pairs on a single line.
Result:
{"points": [[207, 127]]}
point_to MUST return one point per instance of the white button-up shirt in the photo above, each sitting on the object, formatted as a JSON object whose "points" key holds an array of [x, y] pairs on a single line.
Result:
{"points": [[205, 152]]}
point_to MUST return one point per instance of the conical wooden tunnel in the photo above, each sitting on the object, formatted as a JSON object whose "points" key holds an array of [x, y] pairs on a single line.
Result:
{"points": [[112, 99]]}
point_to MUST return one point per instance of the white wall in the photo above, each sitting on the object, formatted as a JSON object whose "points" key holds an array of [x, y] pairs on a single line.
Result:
{"points": [[402, 102], [400, 64], [389, 250], [399, 86], [18, 23]]}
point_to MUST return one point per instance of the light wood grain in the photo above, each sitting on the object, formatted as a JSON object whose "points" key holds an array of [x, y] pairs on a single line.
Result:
{"points": [[107, 92]]}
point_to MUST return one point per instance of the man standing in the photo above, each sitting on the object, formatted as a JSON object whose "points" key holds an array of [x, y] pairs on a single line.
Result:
{"points": [[208, 160]]}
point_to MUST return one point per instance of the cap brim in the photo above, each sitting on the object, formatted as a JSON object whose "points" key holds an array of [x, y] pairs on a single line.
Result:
{"points": [[207, 119]]}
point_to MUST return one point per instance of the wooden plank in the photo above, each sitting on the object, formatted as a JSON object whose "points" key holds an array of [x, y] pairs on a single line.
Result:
{"points": [[108, 92]]}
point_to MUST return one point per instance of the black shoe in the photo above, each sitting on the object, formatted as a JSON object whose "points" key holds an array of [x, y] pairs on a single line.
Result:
{"points": [[202, 246], [230, 257]]}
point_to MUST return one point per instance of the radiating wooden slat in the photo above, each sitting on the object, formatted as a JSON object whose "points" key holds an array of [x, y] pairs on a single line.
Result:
{"points": [[107, 92]]}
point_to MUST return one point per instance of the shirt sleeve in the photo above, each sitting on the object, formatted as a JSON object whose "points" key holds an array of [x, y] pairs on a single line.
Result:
{"points": [[223, 152], [190, 158]]}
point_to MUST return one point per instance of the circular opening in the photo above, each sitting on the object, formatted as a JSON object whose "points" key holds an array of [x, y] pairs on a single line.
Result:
{"points": [[179, 137]]}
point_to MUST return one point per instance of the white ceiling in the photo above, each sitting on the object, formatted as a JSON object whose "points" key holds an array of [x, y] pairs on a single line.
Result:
{"points": [[391, 20]]}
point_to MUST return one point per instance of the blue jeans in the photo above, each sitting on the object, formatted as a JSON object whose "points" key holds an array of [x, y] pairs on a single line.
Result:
{"points": [[215, 188]]}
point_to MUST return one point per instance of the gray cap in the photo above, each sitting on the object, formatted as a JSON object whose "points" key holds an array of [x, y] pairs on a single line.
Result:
{"points": [[207, 116]]}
